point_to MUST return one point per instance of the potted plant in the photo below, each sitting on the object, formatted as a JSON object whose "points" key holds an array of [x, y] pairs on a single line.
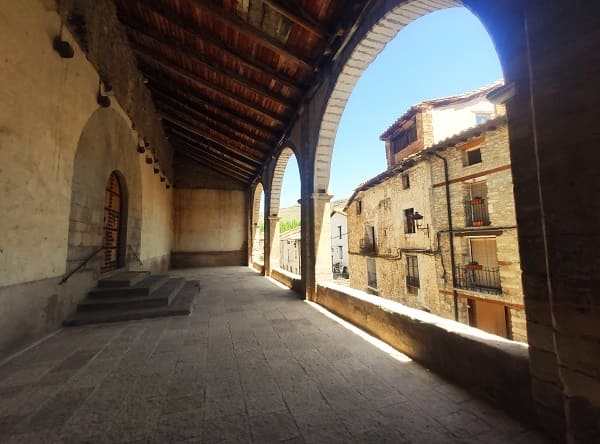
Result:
{"points": [[473, 265]]}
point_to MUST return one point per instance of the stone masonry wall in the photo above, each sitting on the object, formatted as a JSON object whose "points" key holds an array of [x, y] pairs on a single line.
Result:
{"points": [[495, 169]]}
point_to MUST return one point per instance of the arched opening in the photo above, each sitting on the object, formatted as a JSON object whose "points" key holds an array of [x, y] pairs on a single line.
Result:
{"points": [[257, 226], [114, 225], [284, 214], [455, 259]]}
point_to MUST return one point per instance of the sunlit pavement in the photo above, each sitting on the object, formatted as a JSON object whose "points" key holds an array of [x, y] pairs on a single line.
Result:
{"points": [[253, 363]]}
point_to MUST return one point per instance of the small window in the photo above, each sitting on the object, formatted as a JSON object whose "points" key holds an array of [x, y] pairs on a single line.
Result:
{"points": [[412, 271], [358, 206], [340, 231], [340, 252], [405, 181], [409, 221], [473, 157], [404, 138]]}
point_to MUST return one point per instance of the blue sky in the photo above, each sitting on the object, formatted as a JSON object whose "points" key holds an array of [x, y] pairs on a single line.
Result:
{"points": [[444, 53]]}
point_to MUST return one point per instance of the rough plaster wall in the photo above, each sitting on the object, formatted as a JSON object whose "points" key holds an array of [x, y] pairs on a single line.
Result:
{"points": [[157, 220], [45, 104], [106, 145], [209, 220], [452, 119]]}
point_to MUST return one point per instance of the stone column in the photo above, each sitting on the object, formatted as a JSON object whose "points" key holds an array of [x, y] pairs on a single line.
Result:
{"points": [[318, 243], [271, 244]]}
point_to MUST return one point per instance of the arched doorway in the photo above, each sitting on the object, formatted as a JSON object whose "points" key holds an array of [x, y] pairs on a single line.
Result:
{"points": [[114, 224]]}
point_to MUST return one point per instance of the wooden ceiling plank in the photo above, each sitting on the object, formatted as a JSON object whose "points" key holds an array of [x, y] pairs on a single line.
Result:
{"points": [[185, 145], [193, 100], [210, 165], [207, 85], [213, 134], [168, 105], [201, 145], [247, 61], [254, 155], [193, 55], [260, 37], [299, 18]]}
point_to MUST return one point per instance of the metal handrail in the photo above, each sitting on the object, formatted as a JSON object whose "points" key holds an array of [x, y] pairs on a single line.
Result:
{"points": [[80, 266], [135, 254]]}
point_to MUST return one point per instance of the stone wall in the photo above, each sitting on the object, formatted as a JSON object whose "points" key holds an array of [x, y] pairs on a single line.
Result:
{"points": [[58, 150], [495, 170], [480, 362]]}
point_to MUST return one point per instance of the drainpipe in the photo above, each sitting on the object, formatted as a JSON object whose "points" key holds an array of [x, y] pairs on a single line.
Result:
{"points": [[451, 232]]}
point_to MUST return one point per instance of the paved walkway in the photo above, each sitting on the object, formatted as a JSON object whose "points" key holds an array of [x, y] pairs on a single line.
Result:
{"points": [[252, 364]]}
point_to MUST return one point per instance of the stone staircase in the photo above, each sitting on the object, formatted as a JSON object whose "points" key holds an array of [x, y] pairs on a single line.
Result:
{"points": [[131, 295]]}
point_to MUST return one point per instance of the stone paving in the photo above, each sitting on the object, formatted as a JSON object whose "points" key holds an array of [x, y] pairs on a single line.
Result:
{"points": [[253, 363]]}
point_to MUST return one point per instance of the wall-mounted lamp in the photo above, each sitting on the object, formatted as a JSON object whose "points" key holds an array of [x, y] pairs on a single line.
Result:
{"points": [[418, 218]]}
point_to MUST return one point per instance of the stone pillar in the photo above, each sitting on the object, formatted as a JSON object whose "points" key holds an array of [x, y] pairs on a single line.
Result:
{"points": [[318, 243], [271, 244]]}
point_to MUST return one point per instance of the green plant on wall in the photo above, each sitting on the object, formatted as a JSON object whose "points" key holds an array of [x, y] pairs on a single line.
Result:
{"points": [[288, 225]]}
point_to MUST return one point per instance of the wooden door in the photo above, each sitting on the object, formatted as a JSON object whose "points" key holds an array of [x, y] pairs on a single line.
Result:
{"points": [[112, 227], [490, 317]]}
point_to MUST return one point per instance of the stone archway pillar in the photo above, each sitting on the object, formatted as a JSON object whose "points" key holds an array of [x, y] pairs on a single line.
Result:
{"points": [[272, 253], [318, 268]]}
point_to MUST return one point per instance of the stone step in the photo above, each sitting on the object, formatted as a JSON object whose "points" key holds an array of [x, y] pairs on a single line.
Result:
{"points": [[142, 288], [123, 279], [182, 299], [161, 295]]}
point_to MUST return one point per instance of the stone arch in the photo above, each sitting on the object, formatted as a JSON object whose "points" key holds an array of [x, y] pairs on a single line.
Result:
{"points": [[106, 145], [255, 223], [386, 24], [277, 179]]}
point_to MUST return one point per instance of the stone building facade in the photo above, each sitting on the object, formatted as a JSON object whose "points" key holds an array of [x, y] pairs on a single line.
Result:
{"points": [[339, 242], [290, 250], [400, 241]]}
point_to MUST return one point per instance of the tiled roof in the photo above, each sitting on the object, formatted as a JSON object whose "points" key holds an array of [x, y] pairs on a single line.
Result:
{"points": [[411, 160], [439, 102]]}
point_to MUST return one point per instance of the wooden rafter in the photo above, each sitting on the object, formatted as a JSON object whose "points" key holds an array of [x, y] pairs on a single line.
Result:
{"points": [[169, 113], [181, 143], [300, 19], [178, 72], [234, 22], [167, 104], [213, 134], [207, 145], [196, 33], [211, 165], [194, 100], [191, 54], [247, 152]]}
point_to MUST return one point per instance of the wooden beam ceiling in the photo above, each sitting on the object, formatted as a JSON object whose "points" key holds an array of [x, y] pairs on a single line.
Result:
{"points": [[193, 31], [194, 99], [201, 138], [191, 55], [174, 71], [234, 22], [229, 77], [168, 104]]}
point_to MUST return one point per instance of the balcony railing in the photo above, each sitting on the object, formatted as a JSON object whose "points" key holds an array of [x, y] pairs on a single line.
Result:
{"points": [[412, 281], [476, 211], [478, 278]]}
